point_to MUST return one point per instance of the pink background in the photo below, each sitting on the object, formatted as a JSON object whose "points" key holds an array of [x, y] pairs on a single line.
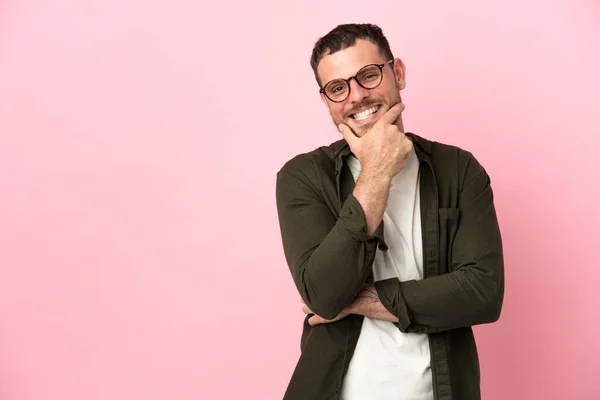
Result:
{"points": [[140, 255]]}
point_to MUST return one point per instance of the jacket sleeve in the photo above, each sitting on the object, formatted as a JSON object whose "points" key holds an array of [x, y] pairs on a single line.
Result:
{"points": [[329, 257], [472, 292]]}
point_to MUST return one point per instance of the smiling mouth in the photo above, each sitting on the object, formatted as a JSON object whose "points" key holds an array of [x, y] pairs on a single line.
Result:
{"points": [[365, 114]]}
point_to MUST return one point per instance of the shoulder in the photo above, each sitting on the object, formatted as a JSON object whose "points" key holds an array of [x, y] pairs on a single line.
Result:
{"points": [[455, 168], [445, 156], [313, 163]]}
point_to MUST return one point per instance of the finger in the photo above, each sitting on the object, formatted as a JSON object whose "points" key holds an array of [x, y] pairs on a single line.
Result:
{"points": [[307, 310], [348, 134], [392, 114], [315, 320]]}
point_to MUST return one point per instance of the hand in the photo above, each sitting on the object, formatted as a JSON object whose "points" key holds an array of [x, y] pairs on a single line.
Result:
{"points": [[316, 320], [368, 304], [384, 149]]}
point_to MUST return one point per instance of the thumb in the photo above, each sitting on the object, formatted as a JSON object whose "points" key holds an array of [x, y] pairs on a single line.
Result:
{"points": [[348, 134]]}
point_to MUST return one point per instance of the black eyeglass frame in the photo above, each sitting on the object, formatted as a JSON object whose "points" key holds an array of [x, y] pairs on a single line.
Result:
{"points": [[380, 66]]}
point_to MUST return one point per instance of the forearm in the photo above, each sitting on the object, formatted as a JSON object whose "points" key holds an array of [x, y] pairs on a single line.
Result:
{"points": [[367, 304], [329, 255], [472, 291], [331, 276], [454, 300], [372, 192]]}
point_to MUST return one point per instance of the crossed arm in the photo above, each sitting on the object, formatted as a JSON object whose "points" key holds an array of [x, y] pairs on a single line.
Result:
{"points": [[330, 258], [371, 193], [366, 303]]}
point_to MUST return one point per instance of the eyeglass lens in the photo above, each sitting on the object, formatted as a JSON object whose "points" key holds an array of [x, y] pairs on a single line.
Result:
{"points": [[368, 77]]}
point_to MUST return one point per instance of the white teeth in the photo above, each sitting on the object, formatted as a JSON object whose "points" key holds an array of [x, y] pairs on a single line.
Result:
{"points": [[365, 114]]}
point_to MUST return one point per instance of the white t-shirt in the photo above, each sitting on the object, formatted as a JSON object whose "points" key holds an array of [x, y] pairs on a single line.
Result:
{"points": [[389, 364]]}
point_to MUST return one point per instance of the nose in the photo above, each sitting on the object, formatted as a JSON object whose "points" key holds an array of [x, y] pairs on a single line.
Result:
{"points": [[357, 92]]}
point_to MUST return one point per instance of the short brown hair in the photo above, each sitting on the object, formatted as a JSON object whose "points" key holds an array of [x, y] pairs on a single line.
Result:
{"points": [[343, 36]]}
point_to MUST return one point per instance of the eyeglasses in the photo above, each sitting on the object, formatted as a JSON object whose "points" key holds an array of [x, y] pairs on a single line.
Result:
{"points": [[368, 77]]}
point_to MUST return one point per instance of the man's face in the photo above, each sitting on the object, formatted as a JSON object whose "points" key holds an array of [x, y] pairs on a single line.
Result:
{"points": [[346, 63]]}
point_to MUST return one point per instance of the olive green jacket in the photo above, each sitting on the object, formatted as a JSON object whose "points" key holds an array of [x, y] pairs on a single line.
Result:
{"points": [[330, 255]]}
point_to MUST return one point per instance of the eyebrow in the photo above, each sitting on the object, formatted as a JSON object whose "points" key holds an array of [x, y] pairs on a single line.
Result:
{"points": [[371, 63]]}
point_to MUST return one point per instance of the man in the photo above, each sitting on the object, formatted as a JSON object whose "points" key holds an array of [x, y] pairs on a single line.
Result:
{"points": [[392, 241]]}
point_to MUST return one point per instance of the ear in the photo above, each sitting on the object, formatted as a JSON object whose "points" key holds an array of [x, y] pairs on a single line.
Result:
{"points": [[400, 73]]}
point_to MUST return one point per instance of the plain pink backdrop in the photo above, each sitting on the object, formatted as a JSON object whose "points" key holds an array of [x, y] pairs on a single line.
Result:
{"points": [[140, 255]]}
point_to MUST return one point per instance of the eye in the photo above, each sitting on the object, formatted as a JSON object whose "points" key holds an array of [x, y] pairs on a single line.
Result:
{"points": [[371, 75], [336, 88]]}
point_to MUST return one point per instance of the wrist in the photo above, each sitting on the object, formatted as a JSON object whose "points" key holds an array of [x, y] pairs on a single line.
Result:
{"points": [[366, 298], [354, 307], [375, 178]]}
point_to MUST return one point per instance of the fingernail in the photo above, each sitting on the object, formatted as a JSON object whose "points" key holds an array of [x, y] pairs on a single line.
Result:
{"points": [[340, 128]]}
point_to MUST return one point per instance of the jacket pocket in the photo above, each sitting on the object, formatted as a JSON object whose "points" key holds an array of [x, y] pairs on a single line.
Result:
{"points": [[448, 220]]}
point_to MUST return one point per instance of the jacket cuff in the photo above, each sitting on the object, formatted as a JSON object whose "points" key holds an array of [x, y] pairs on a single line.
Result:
{"points": [[352, 217], [390, 295]]}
